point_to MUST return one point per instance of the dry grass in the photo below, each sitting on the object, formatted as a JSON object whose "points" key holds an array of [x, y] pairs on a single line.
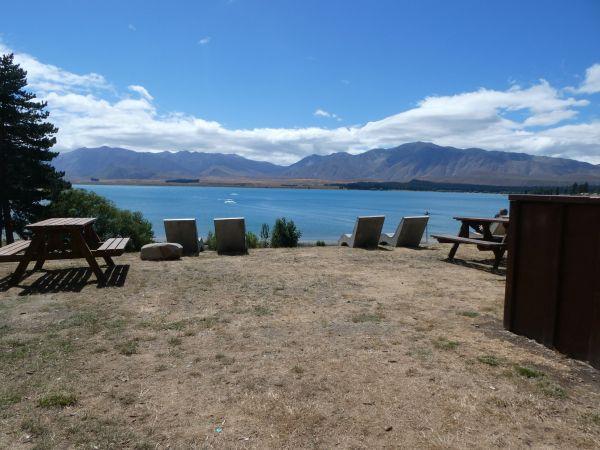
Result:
{"points": [[309, 347]]}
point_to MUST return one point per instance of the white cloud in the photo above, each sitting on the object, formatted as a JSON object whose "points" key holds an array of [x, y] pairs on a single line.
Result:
{"points": [[45, 78], [322, 113], [591, 83], [205, 40], [539, 119], [142, 91], [131, 27]]}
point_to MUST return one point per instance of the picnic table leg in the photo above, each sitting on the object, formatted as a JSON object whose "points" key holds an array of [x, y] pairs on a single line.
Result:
{"points": [[463, 232], [92, 238], [487, 232], [36, 243], [81, 244], [109, 261], [498, 253], [39, 264]]}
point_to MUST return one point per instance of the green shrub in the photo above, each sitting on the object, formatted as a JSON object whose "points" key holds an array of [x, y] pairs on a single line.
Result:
{"points": [[211, 241], [285, 233], [320, 243], [251, 240], [264, 235], [112, 221]]}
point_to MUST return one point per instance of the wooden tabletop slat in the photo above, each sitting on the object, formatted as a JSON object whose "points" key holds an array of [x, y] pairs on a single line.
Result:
{"points": [[483, 219], [65, 222]]}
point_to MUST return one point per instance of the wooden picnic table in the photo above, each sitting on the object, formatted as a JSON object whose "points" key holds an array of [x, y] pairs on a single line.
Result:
{"points": [[485, 239], [62, 238], [480, 225]]}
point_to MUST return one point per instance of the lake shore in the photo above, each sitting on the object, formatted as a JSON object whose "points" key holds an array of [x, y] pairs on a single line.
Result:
{"points": [[306, 347], [220, 182]]}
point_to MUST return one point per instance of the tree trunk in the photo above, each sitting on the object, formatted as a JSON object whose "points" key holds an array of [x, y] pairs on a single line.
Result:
{"points": [[8, 227]]}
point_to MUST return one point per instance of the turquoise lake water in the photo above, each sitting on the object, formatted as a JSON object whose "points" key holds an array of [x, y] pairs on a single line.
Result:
{"points": [[318, 213]]}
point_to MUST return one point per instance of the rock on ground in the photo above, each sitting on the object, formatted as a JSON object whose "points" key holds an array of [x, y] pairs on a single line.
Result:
{"points": [[160, 251]]}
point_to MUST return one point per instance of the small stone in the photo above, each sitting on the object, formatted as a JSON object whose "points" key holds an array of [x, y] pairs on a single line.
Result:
{"points": [[389, 428]]}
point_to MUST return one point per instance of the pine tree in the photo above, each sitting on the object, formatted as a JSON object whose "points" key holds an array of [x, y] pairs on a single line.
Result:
{"points": [[27, 180]]}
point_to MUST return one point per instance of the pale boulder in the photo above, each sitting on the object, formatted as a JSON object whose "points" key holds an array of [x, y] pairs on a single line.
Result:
{"points": [[160, 251]]}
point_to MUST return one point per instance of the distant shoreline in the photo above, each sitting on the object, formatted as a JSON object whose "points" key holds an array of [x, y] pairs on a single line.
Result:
{"points": [[272, 184], [413, 185]]}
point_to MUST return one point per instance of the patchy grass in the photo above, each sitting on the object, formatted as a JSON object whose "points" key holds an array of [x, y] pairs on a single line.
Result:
{"points": [[470, 314], [89, 320], [551, 389], [128, 348], [262, 311], [224, 359], [490, 360], [57, 400], [8, 398], [421, 353], [443, 343], [528, 372], [367, 317], [591, 418], [174, 341], [303, 374], [35, 427]]}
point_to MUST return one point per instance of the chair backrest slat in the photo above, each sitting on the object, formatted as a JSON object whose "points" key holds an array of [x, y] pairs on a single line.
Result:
{"points": [[367, 231]]}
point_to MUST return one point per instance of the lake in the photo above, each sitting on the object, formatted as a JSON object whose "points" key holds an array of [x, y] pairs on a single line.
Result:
{"points": [[319, 213]]}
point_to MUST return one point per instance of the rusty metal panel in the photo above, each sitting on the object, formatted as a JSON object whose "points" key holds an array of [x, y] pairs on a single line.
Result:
{"points": [[553, 276]]}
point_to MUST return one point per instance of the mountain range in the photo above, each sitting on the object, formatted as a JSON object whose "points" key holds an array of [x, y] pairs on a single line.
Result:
{"points": [[417, 160]]}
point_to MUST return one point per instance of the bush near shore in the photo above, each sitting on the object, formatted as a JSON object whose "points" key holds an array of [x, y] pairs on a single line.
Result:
{"points": [[111, 221]]}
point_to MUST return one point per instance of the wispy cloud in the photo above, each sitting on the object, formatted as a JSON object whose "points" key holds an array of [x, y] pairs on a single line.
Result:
{"points": [[142, 91], [205, 40], [591, 82], [322, 113], [131, 27], [539, 119]]}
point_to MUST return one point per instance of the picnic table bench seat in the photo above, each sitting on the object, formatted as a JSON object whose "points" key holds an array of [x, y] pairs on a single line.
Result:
{"points": [[450, 239], [112, 247], [498, 247], [10, 252]]}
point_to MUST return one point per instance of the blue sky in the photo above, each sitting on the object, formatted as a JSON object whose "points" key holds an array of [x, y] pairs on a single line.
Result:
{"points": [[327, 66]]}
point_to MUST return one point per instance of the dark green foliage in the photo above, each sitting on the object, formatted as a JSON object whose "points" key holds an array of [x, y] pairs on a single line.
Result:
{"points": [[264, 235], [211, 241], [285, 233], [112, 221], [420, 185], [27, 179], [251, 240], [320, 243]]}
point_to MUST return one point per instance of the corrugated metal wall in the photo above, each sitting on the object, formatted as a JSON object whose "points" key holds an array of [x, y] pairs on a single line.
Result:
{"points": [[553, 273]]}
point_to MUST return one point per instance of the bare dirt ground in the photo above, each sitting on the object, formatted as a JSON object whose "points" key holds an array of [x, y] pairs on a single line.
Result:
{"points": [[307, 347]]}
